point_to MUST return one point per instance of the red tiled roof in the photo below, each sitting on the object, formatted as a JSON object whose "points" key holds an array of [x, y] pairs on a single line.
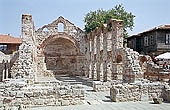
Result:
{"points": [[7, 39]]}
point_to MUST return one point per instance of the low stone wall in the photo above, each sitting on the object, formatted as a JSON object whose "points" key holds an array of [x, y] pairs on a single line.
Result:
{"points": [[166, 94], [137, 92], [19, 92], [100, 86]]}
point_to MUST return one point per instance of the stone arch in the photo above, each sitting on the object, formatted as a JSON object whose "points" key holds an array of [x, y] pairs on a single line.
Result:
{"points": [[64, 36], [60, 54]]}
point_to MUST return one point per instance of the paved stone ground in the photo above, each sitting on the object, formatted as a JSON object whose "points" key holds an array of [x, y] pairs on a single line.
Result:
{"points": [[101, 100], [110, 106]]}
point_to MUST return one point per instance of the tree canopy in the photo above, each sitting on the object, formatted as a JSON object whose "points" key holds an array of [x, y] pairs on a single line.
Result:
{"points": [[94, 19]]}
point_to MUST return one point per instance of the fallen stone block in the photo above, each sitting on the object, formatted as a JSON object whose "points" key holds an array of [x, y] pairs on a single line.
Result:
{"points": [[65, 102], [157, 100]]}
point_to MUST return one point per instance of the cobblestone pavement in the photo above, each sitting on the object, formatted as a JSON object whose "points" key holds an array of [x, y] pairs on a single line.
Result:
{"points": [[101, 100]]}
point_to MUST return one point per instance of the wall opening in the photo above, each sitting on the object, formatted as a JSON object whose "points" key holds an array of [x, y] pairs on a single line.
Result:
{"points": [[119, 59], [60, 27], [61, 56], [74, 31], [45, 29]]}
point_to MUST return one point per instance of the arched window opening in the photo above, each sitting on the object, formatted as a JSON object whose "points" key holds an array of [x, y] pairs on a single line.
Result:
{"points": [[119, 59], [45, 29], [60, 27], [74, 31], [143, 59]]}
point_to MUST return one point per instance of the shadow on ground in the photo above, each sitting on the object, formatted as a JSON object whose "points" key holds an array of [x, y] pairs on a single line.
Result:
{"points": [[74, 80]]}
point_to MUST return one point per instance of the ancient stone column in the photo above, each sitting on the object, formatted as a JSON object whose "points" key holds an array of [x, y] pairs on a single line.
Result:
{"points": [[6, 73], [119, 34], [2, 68], [101, 55], [104, 52], [117, 42], [98, 54], [88, 55], [114, 43], [26, 67], [90, 65], [109, 49], [7, 68], [95, 54], [92, 55], [3, 74]]}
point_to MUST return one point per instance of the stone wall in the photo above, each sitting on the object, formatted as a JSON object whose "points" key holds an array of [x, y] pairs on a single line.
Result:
{"points": [[100, 86], [17, 92], [46, 52], [107, 59], [152, 70], [166, 94], [99, 55], [60, 52], [137, 92]]}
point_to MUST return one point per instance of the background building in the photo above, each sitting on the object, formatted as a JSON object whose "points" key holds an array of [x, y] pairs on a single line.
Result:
{"points": [[151, 42], [9, 44]]}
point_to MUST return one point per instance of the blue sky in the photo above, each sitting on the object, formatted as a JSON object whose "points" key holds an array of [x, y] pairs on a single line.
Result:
{"points": [[149, 13]]}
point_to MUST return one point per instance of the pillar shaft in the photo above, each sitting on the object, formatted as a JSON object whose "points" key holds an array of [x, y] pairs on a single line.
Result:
{"points": [[104, 55], [117, 43], [88, 56], [98, 56], [3, 74], [114, 47], [92, 57]]}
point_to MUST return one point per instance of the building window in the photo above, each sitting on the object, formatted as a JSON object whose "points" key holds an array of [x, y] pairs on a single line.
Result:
{"points": [[131, 44], [146, 41], [3, 47], [151, 40], [167, 39]]}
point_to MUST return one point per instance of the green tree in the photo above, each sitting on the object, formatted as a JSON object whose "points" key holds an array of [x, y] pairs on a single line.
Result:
{"points": [[94, 19]]}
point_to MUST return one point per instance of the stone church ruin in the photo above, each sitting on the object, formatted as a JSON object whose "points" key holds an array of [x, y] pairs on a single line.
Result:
{"points": [[99, 55], [47, 53]]}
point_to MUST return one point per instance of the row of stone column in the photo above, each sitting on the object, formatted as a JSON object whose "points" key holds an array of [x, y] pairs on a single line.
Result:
{"points": [[101, 48], [5, 70]]}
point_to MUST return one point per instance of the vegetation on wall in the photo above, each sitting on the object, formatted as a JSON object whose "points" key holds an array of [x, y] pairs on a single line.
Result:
{"points": [[94, 19]]}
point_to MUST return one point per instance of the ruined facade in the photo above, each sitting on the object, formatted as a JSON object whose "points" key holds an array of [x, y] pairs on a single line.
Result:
{"points": [[107, 58], [99, 55], [47, 52]]}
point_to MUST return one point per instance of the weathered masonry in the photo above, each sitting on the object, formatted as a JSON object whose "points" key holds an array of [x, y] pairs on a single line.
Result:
{"points": [[107, 58], [99, 55], [47, 52]]}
